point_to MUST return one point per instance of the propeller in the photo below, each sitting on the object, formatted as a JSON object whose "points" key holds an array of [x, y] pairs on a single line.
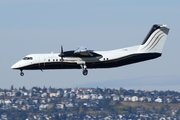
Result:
{"points": [[62, 53]]}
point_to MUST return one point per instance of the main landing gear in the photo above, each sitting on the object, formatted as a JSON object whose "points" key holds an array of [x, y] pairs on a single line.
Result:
{"points": [[22, 73], [85, 71]]}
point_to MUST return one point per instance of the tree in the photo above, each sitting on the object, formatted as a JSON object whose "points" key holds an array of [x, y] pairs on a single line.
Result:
{"points": [[81, 112], [24, 88], [105, 103], [174, 100], [18, 94], [12, 87]]}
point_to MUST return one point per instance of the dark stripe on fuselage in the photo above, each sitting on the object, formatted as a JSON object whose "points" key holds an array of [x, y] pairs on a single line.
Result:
{"points": [[134, 58]]}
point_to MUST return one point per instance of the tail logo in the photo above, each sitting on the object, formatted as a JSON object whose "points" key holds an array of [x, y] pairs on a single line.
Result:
{"points": [[154, 39]]}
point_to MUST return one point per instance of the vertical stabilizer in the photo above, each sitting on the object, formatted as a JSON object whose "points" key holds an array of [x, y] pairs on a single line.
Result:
{"points": [[155, 39]]}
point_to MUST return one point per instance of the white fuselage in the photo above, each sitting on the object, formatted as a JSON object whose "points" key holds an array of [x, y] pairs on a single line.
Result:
{"points": [[43, 59], [112, 58]]}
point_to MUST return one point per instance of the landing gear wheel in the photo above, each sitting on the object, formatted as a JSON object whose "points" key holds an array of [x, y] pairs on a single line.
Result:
{"points": [[85, 72], [21, 73]]}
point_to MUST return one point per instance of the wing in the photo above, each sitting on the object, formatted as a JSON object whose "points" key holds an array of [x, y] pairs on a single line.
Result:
{"points": [[85, 52], [80, 52]]}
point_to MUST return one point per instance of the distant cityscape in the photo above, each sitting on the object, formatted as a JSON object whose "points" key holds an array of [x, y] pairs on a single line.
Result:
{"points": [[49, 103]]}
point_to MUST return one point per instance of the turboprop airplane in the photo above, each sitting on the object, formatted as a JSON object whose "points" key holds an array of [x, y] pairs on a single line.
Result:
{"points": [[84, 58]]}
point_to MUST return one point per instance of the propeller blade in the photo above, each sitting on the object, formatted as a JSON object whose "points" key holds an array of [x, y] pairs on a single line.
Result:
{"points": [[61, 53]]}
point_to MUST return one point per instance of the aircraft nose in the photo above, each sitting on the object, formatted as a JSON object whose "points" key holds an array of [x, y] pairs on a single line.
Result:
{"points": [[15, 66]]}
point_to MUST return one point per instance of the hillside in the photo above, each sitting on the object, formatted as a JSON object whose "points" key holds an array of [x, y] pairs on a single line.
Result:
{"points": [[151, 105]]}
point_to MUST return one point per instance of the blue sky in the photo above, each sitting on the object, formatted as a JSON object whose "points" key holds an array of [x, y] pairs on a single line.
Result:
{"points": [[42, 26]]}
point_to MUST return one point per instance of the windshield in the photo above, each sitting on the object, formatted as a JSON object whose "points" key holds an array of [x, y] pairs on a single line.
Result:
{"points": [[27, 58]]}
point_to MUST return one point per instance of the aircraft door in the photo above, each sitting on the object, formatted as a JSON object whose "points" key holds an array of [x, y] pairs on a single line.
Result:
{"points": [[41, 62]]}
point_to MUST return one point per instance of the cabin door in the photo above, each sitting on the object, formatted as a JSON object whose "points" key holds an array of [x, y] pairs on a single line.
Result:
{"points": [[41, 62]]}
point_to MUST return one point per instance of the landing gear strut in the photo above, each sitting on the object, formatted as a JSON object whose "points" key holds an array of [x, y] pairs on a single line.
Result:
{"points": [[84, 67], [21, 73]]}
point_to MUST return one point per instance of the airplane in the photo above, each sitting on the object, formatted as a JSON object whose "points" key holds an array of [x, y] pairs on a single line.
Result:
{"points": [[84, 58]]}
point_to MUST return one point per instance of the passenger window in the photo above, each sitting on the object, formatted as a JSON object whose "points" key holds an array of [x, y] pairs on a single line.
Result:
{"points": [[49, 60], [56, 59]]}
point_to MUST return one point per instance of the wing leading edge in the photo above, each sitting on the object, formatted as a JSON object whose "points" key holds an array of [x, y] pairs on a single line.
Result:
{"points": [[80, 52]]}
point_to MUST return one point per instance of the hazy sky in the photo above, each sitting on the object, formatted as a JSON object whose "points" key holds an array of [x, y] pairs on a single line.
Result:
{"points": [[31, 26]]}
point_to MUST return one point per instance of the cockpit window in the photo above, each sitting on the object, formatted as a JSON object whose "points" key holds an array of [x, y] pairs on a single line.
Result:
{"points": [[27, 58]]}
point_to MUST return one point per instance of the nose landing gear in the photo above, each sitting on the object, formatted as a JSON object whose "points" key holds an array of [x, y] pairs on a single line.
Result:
{"points": [[85, 72], [22, 73]]}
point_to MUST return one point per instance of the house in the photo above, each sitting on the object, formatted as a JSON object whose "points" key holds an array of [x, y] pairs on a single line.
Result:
{"points": [[4, 116], [52, 94], [68, 105], [72, 95], [65, 94], [44, 95], [107, 96], [134, 99], [13, 93], [58, 93], [79, 96], [115, 97], [8, 93], [159, 100], [100, 97], [2, 93], [86, 97], [7, 101], [60, 106], [94, 96], [23, 107], [90, 90], [2, 101], [20, 102], [43, 101], [25, 94], [43, 106], [127, 98], [14, 106], [35, 101], [88, 117], [142, 99], [149, 99], [108, 118], [162, 118]]}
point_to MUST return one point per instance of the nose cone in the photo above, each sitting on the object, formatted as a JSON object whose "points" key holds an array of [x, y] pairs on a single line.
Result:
{"points": [[15, 66]]}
